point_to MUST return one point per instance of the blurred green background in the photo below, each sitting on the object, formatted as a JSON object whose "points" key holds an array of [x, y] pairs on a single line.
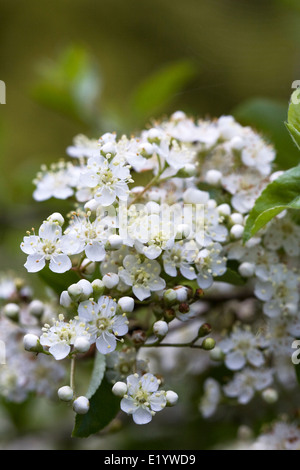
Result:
{"points": [[87, 66]]}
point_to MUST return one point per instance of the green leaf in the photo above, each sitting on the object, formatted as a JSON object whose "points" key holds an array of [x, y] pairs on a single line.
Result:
{"points": [[283, 193], [294, 134], [293, 123], [268, 116], [58, 282], [231, 277], [104, 406], [97, 375], [155, 93]]}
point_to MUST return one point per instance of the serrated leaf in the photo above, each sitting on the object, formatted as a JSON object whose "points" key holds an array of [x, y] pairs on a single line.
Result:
{"points": [[104, 406], [283, 193]]}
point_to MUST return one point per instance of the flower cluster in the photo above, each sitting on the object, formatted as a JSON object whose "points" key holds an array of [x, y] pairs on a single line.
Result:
{"points": [[168, 252]]}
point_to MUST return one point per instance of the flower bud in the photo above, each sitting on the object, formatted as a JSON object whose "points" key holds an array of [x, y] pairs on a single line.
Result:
{"points": [[181, 293], [81, 405], [31, 342], [213, 177], [171, 397], [187, 171], [237, 231], [36, 308], [204, 330], [182, 232], [224, 209], [75, 292], [216, 354], [126, 304], [12, 311], [110, 280], [246, 269], [170, 296], [237, 218], [82, 344], [87, 266], [119, 389], [208, 344], [195, 196], [56, 217], [65, 393], [160, 328], [65, 300], [87, 289], [169, 314], [98, 287], [91, 205], [270, 395], [184, 307], [114, 242]]}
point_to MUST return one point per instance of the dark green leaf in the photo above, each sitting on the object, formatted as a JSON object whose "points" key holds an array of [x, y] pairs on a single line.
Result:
{"points": [[283, 193], [97, 375], [58, 282], [231, 277]]}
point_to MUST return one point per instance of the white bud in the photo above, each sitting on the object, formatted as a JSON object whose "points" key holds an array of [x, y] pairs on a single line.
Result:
{"points": [[115, 242], [82, 344], [270, 395], [178, 116], [81, 405], [213, 177], [98, 287], [109, 147], [153, 207], [211, 204], [65, 300], [119, 389], [75, 292], [237, 218], [91, 205], [181, 293], [183, 231], [56, 217], [126, 304], [31, 342], [87, 266], [86, 289], [160, 328], [11, 311], [195, 196], [110, 280], [224, 209], [36, 308], [216, 354], [187, 171], [237, 143], [170, 296], [171, 397], [237, 231], [246, 269], [65, 393]]}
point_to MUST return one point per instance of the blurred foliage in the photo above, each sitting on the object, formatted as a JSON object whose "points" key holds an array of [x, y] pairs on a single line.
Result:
{"points": [[89, 67]]}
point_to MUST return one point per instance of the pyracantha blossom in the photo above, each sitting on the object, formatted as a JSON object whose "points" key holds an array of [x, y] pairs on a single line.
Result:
{"points": [[142, 276], [103, 321], [242, 347], [181, 257], [58, 181], [210, 262], [282, 436], [246, 383], [210, 398], [283, 232], [120, 364], [143, 399], [46, 246], [60, 338]]}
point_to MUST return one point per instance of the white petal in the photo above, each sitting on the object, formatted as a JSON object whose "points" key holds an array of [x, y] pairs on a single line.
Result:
{"points": [[127, 405], [235, 360], [95, 251], [59, 350], [142, 416], [106, 343], [34, 263], [255, 357], [60, 263]]}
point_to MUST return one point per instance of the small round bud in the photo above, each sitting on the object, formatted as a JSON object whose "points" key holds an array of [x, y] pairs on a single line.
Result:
{"points": [[237, 218], [169, 314], [184, 307], [216, 354], [160, 328], [91, 205], [65, 300], [170, 296], [110, 280], [126, 304], [199, 293], [246, 269], [81, 405], [181, 293], [213, 177], [119, 389], [65, 393], [87, 266], [270, 395], [224, 209], [195, 196], [86, 288], [36, 308], [204, 330], [237, 231], [56, 217], [12, 311], [187, 171], [82, 344], [31, 342], [115, 242], [98, 287], [208, 344], [75, 292], [172, 398], [182, 232]]}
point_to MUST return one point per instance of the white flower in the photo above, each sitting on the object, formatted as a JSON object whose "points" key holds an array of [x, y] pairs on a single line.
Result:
{"points": [[211, 398], [123, 362], [211, 227], [181, 257], [244, 384], [143, 276], [143, 399], [57, 182], [105, 179], [60, 337], [84, 235], [282, 436], [103, 322], [83, 147], [278, 288], [47, 246], [209, 263], [242, 347], [258, 155], [283, 233]]}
